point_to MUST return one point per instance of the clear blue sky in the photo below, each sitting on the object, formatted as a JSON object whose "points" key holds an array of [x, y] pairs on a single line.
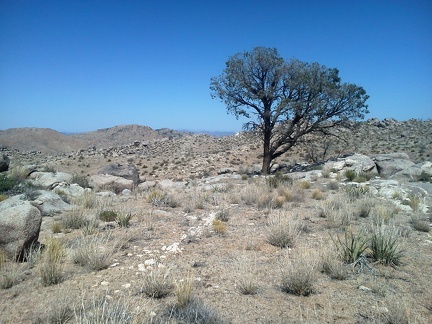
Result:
{"points": [[85, 65]]}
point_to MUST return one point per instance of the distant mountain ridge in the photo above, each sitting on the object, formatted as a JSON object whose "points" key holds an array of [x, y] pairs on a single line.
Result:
{"points": [[47, 140]]}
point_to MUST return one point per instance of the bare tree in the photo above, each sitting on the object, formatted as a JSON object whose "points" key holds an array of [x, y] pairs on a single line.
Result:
{"points": [[286, 100]]}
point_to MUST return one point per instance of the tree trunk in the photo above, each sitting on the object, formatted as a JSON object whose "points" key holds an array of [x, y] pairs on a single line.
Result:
{"points": [[267, 155]]}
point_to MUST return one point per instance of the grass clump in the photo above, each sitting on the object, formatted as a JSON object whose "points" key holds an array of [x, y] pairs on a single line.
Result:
{"points": [[298, 275], [317, 194], [195, 312], [183, 291], [420, 224], [157, 283], [282, 231], [74, 219], [278, 180], [424, 177], [93, 253], [51, 263], [219, 227], [80, 180]]}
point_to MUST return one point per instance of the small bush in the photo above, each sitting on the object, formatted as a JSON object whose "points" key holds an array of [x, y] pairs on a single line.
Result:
{"points": [[304, 184], [223, 215], [364, 208], [219, 227], [80, 180], [90, 252], [102, 309], [333, 185], [74, 219], [350, 175], [413, 201], [278, 179], [420, 224], [298, 277], [247, 285], [195, 312], [354, 193], [157, 198], [384, 245], [333, 267], [6, 183], [317, 194], [282, 231], [107, 215], [56, 227], [157, 283]]}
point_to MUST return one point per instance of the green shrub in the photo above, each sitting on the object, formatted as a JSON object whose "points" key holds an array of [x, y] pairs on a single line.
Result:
{"points": [[6, 182], [278, 179], [419, 224], [350, 175], [108, 215], [74, 219]]}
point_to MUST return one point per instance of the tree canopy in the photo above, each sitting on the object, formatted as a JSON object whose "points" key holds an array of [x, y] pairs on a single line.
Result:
{"points": [[286, 99]]}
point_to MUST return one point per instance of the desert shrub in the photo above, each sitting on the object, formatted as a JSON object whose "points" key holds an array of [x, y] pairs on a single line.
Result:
{"points": [[413, 201], [90, 227], [6, 182], [157, 198], [157, 283], [219, 227], [317, 194], [195, 312], [337, 211], [80, 180], [364, 208], [223, 215], [282, 231], [350, 175], [397, 311], [51, 263], [354, 192], [278, 179], [10, 272], [18, 173], [383, 214], [123, 219], [304, 184], [298, 275], [102, 309], [384, 245], [56, 227], [88, 200], [108, 215], [420, 224], [183, 291], [333, 185], [351, 246], [74, 219], [247, 285], [335, 269], [93, 252]]}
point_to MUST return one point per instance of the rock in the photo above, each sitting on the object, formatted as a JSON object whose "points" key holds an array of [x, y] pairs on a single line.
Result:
{"points": [[390, 164], [70, 190], [50, 179], [427, 167], [147, 185], [226, 170], [128, 172], [106, 181], [19, 229], [4, 163], [50, 203]]}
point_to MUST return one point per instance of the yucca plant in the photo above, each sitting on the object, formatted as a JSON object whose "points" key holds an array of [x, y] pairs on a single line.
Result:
{"points": [[123, 219], [352, 246], [384, 245]]}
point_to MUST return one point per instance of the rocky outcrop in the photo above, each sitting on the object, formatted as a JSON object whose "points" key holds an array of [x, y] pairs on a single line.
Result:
{"points": [[19, 229], [49, 179], [128, 172], [110, 182]]}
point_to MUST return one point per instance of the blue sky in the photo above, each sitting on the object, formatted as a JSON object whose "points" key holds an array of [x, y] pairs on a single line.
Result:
{"points": [[84, 65]]}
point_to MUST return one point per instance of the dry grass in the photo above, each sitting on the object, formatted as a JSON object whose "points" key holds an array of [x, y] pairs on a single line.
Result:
{"points": [[157, 283], [282, 230], [298, 275], [51, 264]]}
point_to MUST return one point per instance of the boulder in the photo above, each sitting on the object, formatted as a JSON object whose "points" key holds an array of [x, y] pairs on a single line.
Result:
{"points": [[50, 203], [19, 229], [4, 163], [114, 183], [390, 164], [146, 185], [128, 172], [70, 190], [49, 179]]}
